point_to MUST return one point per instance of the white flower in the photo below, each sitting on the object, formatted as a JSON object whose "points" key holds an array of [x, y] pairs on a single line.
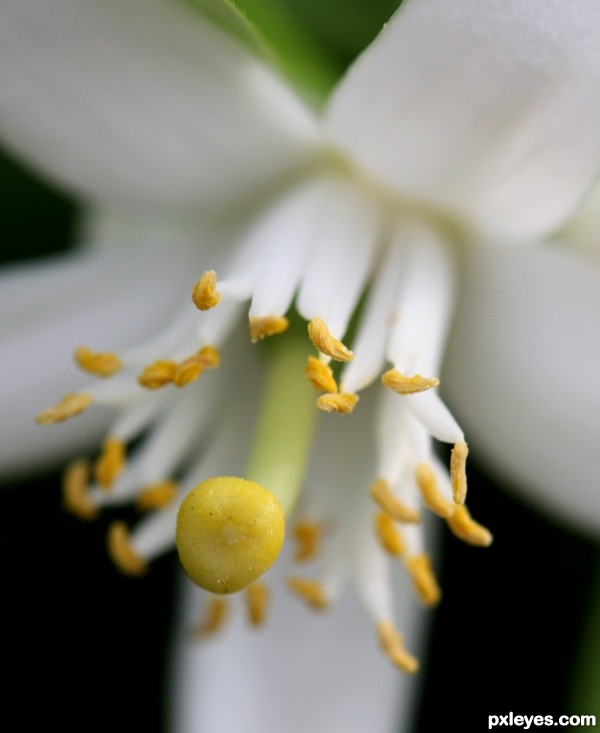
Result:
{"points": [[463, 125]]}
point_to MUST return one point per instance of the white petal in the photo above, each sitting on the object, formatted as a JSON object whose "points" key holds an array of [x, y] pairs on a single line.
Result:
{"points": [[521, 373], [490, 109], [145, 105]]}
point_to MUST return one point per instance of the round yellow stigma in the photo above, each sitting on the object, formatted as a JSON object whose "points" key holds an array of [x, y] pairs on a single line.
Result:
{"points": [[229, 532]]}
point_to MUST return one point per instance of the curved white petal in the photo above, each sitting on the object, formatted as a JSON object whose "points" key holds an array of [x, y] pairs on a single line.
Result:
{"points": [[142, 103], [490, 109], [521, 373]]}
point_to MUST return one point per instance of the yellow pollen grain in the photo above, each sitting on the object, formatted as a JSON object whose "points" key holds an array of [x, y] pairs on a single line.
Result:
{"points": [[257, 603], [156, 496], [399, 383], [392, 506], [99, 363], [310, 591], [213, 618], [122, 553], [69, 406], [424, 581], [308, 540], [392, 645], [263, 326], [432, 496], [467, 529], [75, 491], [325, 343], [458, 471], [387, 534], [340, 402], [204, 293], [158, 374], [111, 462], [320, 375]]}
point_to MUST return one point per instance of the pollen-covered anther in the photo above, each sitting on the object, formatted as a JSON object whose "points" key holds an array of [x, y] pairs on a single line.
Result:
{"points": [[99, 363], [401, 384], [310, 591], [382, 494], [308, 540], [75, 490], [111, 462], [424, 581], [432, 496], [263, 326], [69, 406], [257, 603], [325, 342], [320, 375], [122, 553], [156, 496], [158, 374], [458, 471], [204, 293], [340, 402], [213, 618], [392, 645], [467, 529], [388, 535]]}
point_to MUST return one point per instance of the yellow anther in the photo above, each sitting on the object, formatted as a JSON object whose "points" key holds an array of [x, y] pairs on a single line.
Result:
{"points": [[122, 553], [257, 603], [458, 471], [76, 497], [398, 382], [69, 406], [424, 582], [320, 375], [382, 494], [208, 357], [213, 618], [325, 343], [205, 294], [341, 402], [111, 462], [158, 374], [263, 326], [308, 538], [432, 496], [229, 532], [467, 529], [387, 534], [156, 496], [392, 645], [100, 363], [310, 591], [187, 371]]}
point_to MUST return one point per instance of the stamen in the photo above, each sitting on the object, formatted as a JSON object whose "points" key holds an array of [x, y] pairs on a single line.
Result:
{"points": [[204, 293], [387, 534], [310, 591], [261, 327], [458, 471], [156, 496], [69, 406], [257, 601], [158, 374], [425, 584], [398, 382], [100, 363], [191, 368], [76, 496], [111, 462], [213, 619], [325, 343], [432, 496], [382, 494], [340, 402], [122, 553], [320, 375], [467, 529], [393, 646], [308, 537]]}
